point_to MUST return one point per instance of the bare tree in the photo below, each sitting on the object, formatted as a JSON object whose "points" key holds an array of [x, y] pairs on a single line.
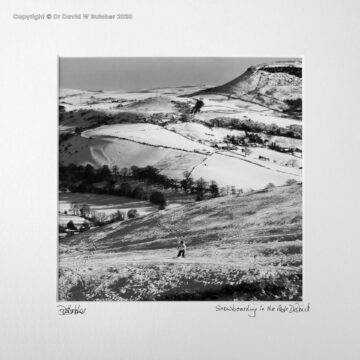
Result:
{"points": [[74, 207], [84, 210], [115, 170]]}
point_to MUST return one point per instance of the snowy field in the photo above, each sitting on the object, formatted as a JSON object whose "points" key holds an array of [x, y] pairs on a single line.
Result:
{"points": [[77, 220], [148, 134], [275, 157], [151, 102], [130, 139], [225, 167], [136, 260], [199, 132], [232, 170], [123, 153]]}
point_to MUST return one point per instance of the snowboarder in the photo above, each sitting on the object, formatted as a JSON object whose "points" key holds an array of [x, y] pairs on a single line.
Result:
{"points": [[93, 248], [181, 248], [199, 104]]}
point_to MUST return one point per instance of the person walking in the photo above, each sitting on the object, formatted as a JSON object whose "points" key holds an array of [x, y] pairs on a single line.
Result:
{"points": [[182, 249]]}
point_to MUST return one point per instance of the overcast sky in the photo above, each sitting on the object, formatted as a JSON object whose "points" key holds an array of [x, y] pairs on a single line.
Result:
{"points": [[147, 73]]}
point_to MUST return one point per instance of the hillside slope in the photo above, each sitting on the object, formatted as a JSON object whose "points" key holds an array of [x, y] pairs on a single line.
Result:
{"points": [[269, 85], [99, 151], [231, 240]]}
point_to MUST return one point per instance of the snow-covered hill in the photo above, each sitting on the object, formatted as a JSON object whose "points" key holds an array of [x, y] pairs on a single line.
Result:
{"points": [[154, 127], [225, 237], [267, 84]]}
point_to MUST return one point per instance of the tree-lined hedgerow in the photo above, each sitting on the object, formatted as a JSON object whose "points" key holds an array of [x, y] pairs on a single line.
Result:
{"points": [[295, 106], [292, 131], [87, 179]]}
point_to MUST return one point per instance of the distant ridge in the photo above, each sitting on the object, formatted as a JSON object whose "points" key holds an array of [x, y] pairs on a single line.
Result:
{"points": [[271, 85]]}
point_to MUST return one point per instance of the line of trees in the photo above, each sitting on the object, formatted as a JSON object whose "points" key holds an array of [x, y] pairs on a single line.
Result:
{"points": [[252, 138], [294, 107], [119, 182], [292, 131], [277, 147]]}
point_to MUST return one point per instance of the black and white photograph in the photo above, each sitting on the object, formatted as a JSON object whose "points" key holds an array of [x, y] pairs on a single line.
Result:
{"points": [[180, 179]]}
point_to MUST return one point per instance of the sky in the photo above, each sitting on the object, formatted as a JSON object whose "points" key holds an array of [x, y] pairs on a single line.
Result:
{"points": [[150, 73]]}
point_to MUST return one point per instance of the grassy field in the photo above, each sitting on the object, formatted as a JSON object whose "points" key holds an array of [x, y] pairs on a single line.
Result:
{"points": [[107, 204], [77, 220], [240, 247], [110, 204]]}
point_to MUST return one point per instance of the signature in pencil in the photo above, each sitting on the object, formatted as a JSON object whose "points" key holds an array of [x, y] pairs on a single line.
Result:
{"points": [[71, 310]]}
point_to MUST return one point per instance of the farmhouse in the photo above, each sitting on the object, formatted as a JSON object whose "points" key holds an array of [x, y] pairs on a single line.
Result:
{"points": [[222, 145]]}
